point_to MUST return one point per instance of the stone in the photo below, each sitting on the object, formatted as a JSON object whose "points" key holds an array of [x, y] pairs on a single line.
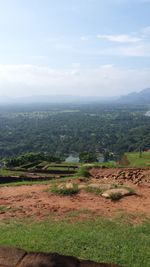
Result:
{"points": [[69, 186], [94, 186], [81, 186], [12, 257], [121, 191]]}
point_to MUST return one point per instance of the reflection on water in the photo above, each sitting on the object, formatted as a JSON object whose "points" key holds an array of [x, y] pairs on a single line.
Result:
{"points": [[147, 114], [73, 159]]}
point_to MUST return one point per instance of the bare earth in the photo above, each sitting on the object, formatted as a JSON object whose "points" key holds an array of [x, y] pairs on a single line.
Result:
{"points": [[37, 202]]}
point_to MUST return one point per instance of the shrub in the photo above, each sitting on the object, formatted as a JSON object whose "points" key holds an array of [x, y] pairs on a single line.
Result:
{"points": [[65, 191], [96, 191], [115, 196], [83, 172]]}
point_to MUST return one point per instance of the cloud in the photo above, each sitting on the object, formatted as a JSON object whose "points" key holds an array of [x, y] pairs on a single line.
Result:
{"points": [[85, 38], [142, 50], [122, 38], [107, 80], [146, 31]]}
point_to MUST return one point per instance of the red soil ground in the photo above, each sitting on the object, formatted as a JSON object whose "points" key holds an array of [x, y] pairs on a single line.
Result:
{"points": [[37, 202]]}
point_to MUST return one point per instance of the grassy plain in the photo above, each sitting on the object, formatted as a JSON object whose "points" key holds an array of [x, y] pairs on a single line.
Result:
{"points": [[137, 160]]}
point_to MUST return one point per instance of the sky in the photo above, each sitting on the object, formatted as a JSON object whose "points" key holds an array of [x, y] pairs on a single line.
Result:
{"points": [[74, 47]]}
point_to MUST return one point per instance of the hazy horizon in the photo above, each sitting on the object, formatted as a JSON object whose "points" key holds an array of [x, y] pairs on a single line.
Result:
{"points": [[74, 47]]}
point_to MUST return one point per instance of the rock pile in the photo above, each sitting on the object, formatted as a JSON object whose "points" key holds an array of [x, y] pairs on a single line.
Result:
{"points": [[136, 176]]}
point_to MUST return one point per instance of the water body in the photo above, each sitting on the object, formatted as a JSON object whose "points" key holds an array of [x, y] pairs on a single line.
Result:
{"points": [[147, 114], [100, 159], [75, 159], [72, 159]]}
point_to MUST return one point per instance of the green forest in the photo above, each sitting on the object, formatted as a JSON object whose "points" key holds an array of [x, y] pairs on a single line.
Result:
{"points": [[60, 130]]}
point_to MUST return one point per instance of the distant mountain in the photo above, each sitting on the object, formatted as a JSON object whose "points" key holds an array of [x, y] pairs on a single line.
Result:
{"points": [[5, 99], [56, 99], [143, 97]]}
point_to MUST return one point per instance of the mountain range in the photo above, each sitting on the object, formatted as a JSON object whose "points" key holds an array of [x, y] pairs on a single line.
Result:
{"points": [[142, 97], [56, 99]]}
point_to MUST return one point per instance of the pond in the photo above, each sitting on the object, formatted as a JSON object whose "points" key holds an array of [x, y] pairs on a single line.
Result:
{"points": [[147, 114], [72, 158]]}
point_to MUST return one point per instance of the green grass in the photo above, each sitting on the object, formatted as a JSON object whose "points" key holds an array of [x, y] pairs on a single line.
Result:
{"points": [[97, 191], [66, 168], [65, 191], [52, 181], [137, 161], [115, 196], [4, 172], [111, 164], [83, 172], [100, 240], [64, 164], [24, 183], [3, 209], [7, 173]]}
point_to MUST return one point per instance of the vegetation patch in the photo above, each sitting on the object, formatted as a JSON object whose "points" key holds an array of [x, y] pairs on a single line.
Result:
{"points": [[64, 190], [138, 159], [83, 172], [118, 193], [100, 240], [110, 164], [3, 209], [115, 196], [97, 191]]}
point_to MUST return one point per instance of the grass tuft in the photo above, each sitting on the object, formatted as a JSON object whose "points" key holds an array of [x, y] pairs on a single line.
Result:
{"points": [[97, 191], [115, 196], [65, 191], [83, 172]]}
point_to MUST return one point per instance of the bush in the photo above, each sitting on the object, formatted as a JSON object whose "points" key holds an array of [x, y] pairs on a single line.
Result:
{"points": [[115, 196], [96, 191], [65, 191], [83, 172]]}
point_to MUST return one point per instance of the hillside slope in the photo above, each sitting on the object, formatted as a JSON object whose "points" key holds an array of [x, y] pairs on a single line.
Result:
{"points": [[143, 97]]}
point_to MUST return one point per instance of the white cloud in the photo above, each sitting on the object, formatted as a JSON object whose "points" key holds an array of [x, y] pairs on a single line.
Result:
{"points": [[142, 50], [107, 80], [76, 65], [122, 38], [85, 38], [146, 31]]}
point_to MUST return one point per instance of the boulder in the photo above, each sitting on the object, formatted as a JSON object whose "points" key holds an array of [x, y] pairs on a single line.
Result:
{"points": [[122, 192], [69, 186], [14, 257], [81, 186], [65, 186]]}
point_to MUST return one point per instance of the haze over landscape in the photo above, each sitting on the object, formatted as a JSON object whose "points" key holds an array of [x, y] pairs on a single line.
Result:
{"points": [[75, 133], [78, 48]]}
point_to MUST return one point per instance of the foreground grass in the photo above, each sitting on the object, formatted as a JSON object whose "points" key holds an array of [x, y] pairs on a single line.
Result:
{"points": [[99, 240]]}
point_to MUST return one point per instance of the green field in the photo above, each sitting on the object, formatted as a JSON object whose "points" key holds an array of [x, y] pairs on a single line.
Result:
{"points": [[137, 160], [5, 172], [100, 240]]}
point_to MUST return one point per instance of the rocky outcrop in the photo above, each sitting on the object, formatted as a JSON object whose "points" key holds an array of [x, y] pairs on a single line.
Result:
{"points": [[14, 257]]}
